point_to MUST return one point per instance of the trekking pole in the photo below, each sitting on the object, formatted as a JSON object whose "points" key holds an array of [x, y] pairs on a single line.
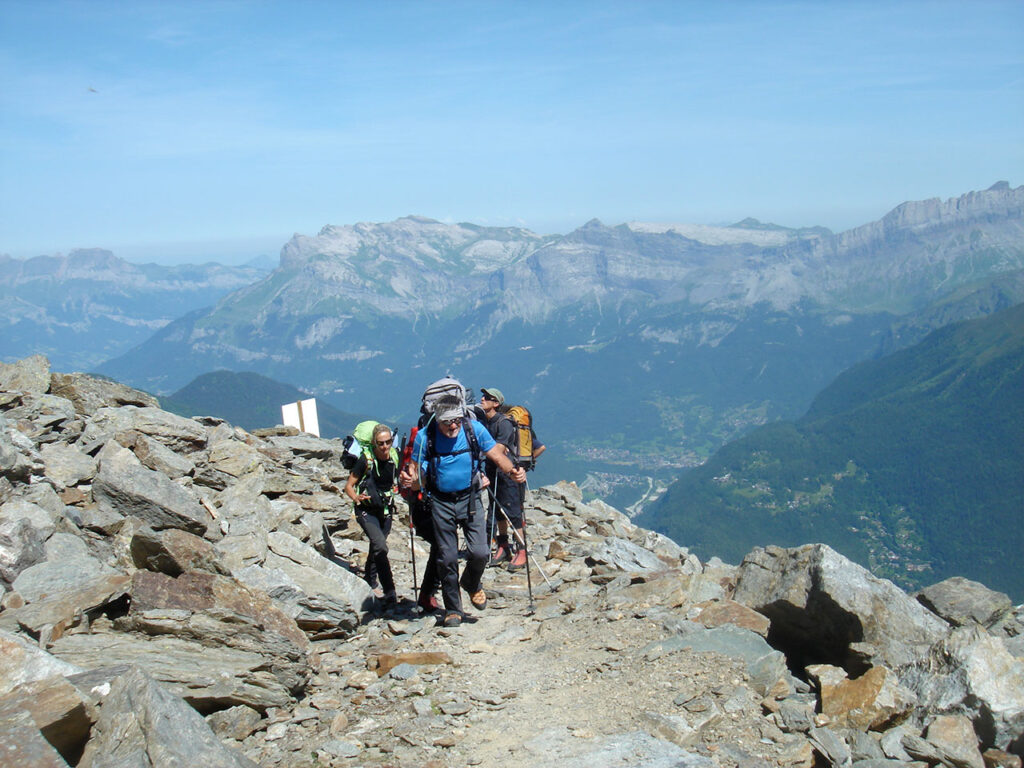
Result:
{"points": [[522, 542], [412, 543], [526, 549]]}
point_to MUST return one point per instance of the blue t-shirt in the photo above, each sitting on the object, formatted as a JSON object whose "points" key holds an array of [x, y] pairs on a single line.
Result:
{"points": [[454, 469]]}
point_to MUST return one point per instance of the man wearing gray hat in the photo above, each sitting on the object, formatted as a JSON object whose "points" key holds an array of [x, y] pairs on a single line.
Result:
{"points": [[446, 463]]}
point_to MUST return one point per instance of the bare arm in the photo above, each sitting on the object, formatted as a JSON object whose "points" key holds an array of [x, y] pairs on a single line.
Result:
{"points": [[350, 489], [504, 463]]}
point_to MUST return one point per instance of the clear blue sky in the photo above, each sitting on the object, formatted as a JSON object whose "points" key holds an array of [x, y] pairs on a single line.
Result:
{"points": [[192, 130]]}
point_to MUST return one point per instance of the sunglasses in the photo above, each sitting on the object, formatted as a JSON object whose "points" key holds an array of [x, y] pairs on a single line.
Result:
{"points": [[489, 397], [448, 422], [383, 443]]}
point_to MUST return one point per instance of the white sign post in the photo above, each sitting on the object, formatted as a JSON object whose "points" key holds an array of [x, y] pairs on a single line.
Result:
{"points": [[302, 415]]}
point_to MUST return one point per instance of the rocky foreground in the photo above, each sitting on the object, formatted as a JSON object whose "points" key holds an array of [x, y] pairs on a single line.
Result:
{"points": [[181, 592]]}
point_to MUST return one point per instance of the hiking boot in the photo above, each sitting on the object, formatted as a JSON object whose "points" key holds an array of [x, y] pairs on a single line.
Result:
{"points": [[378, 593], [451, 621], [479, 599], [428, 603], [390, 598], [519, 561], [501, 555]]}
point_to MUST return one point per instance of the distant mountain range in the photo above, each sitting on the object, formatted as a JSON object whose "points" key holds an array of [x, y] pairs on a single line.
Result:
{"points": [[911, 464], [641, 347], [84, 308]]}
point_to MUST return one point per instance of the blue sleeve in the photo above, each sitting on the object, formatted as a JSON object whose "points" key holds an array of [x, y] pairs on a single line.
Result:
{"points": [[483, 437]]}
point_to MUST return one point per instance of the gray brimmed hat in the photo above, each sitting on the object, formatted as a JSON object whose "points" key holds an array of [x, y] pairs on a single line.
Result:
{"points": [[449, 408], [493, 392]]}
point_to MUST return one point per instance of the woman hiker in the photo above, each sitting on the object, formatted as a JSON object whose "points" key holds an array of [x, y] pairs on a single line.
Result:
{"points": [[371, 487]]}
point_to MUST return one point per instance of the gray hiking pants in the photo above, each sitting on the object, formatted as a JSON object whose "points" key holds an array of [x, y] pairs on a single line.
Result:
{"points": [[448, 517]]}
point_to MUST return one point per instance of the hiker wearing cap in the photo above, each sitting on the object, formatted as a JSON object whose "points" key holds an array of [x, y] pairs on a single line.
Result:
{"points": [[447, 455], [371, 488], [507, 496]]}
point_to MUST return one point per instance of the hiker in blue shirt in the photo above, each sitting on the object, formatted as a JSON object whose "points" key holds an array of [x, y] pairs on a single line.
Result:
{"points": [[447, 456]]}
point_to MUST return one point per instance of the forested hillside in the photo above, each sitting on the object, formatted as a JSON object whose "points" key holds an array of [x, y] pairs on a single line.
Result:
{"points": [[250, 401], [911, 465]]}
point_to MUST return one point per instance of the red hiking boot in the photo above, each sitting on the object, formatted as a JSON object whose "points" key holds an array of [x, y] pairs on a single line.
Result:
{"points": [[519, 561]]}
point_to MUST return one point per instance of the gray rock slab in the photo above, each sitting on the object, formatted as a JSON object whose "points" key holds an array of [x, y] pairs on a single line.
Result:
{"points": [[961, 601], [124, 486], [174, 552], [21, 547], [315, 574], [142, 724], [29, 375], [623, 555], [176, 432], [156, 456], [67, 465], [61, 610], [207, 678], [88, 393], [54, 577], [23, 662], [24, 745]]}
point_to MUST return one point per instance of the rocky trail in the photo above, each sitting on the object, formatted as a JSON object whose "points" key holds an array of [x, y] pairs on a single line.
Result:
{"points": [[183, 592]]}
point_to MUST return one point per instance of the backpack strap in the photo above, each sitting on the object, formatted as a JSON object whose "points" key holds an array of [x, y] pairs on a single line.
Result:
{"points": [[433, 455]]}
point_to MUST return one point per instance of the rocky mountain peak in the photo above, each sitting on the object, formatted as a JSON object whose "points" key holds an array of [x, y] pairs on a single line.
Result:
{"points": [[160, 569]]}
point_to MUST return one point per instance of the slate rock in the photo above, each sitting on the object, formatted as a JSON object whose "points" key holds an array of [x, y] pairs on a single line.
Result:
{"points": [[961, 601], [54, 577], [174, 552], [29, 375], [53, 615], [234, 722], [88, 393], [142, 724], [124, 486], [21, 546], [176, 432], [826, 608], [58, 711], [24, 745], [873, 701], [22, 662], [954, 740], [622, 555], [207, 678], [67, 465], [156, 456]]}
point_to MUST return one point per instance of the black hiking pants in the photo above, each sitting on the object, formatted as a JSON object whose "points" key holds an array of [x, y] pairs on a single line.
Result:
{"points": [[448, 517], [377, 526]]}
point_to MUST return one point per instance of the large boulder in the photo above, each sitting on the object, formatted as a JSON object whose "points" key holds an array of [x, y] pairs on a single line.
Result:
{"points": [[961, 601], [825, 608], [88, 393], [176, 432], [971, 673], [141, 724]]}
